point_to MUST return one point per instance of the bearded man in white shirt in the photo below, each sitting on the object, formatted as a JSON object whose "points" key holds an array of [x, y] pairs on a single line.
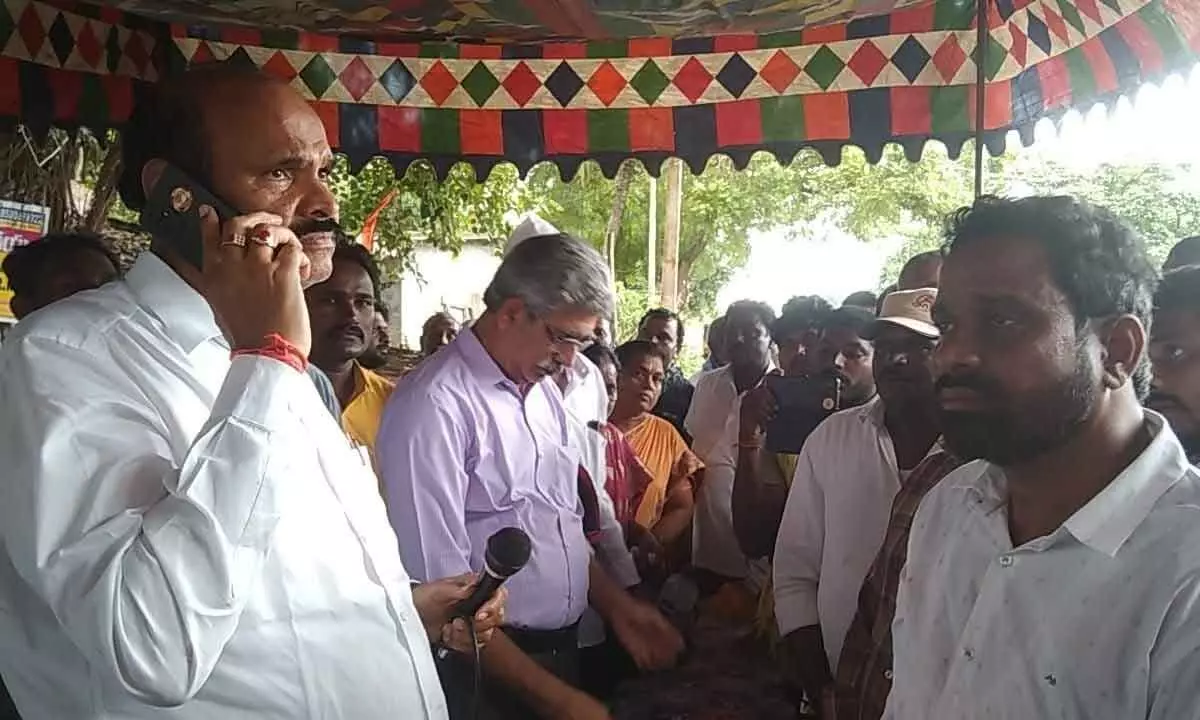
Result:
{"points": [[184, 524], [1059, 577], [841, 496]]}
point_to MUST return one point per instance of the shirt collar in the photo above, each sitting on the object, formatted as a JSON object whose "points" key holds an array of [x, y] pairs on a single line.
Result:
{"points": [[481, 364], [581, 367], [872, 411], [186, 316], [1108, 520], [360, 382], [726, 373]]}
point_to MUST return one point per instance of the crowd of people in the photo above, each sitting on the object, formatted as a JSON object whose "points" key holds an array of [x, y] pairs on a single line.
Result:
{"points": [[216, 504]]}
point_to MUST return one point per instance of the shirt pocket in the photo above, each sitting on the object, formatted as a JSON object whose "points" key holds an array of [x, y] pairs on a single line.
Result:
{"points": [[557, 476]]}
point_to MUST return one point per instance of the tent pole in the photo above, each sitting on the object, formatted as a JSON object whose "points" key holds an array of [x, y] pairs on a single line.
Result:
{"points": [[651, 242], [981, 38]]}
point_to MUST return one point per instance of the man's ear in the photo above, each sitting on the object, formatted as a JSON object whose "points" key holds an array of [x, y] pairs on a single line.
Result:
{"points": [[151, 172], [1124, 343], [511, 312]]}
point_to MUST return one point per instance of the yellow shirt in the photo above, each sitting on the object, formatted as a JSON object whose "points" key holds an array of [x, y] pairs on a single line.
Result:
{"points": [[362, 415]]}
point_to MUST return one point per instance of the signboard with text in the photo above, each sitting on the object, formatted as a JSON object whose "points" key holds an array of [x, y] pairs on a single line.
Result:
{"points": [[20, 224]]}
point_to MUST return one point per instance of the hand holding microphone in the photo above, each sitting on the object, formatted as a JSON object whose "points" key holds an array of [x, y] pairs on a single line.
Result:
{"points": [[507, 552], [446, 605]]}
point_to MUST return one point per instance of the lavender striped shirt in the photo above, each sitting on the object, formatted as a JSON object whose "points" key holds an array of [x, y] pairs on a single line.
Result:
{"points": [[463, 454]]}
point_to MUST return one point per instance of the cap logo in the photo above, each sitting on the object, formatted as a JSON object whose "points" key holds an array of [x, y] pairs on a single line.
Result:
{"points": [[923, 302]]}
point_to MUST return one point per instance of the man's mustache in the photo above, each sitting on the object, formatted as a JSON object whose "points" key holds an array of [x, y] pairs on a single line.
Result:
{"points": [[340, 330], [975, 383], [833, 374], [308, 226], [906, 375]]}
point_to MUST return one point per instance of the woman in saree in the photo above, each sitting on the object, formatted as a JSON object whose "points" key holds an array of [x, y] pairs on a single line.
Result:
{"points": [[667, 502]]}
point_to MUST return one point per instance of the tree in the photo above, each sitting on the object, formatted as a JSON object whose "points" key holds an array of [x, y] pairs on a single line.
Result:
{"points": [[1151, 198], [444, 214], [74, 174], [721, 207]]}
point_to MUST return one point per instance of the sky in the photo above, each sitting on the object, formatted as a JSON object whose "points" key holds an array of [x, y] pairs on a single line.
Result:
{"points": [[1158, 124]]}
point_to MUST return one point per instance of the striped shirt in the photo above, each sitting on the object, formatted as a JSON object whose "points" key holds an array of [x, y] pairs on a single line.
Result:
{"points": [[864, 671]]}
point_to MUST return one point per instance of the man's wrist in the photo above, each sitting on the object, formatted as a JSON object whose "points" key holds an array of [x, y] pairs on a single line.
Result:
{"points": [[752, 441], [276, 347]]}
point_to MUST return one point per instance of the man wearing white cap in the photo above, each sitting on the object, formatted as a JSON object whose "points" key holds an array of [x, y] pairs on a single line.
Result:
{"points": [[847, 475]]}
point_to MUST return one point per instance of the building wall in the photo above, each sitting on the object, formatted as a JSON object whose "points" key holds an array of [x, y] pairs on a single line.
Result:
{"points": [[441, 282]]}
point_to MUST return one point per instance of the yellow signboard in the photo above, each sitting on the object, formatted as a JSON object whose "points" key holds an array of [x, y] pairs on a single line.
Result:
{"points": [[20, 224]]}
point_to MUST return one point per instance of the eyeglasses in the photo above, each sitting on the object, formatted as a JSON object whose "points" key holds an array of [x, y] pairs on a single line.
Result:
{"points": [[562, 338]]}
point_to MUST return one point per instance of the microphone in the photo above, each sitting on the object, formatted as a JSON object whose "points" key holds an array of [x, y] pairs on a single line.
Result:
{"points": [[507, 552]]}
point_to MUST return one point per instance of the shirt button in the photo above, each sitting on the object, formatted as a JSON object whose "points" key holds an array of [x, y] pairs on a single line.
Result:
{"points": [[969, 654], [1006, 561], [887, 675]]}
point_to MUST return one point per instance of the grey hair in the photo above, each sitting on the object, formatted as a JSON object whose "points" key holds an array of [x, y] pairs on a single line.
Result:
{"points": [[552, 272]]}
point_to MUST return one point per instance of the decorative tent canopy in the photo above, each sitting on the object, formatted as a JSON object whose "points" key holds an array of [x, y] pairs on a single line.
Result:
{"points": [[511, 20], [779, 76]]}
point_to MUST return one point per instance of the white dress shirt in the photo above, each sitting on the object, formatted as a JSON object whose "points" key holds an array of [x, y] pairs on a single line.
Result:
{"points": [[712, 421], [182, 531], [1100, 619], [834, 522], [586, 400], [585, 396]]}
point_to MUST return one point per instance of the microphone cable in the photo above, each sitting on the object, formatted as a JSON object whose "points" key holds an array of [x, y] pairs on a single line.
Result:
{"points": [[444, 651], [478, 681]]}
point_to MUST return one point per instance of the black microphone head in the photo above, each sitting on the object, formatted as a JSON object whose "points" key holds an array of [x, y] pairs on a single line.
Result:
{"points": [[507, 552]]}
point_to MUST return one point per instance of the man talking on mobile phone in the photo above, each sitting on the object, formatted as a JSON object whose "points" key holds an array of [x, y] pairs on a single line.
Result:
{"points": [[184, 524]]}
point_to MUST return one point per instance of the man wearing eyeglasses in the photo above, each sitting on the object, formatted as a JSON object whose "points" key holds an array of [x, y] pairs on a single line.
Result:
{"points": [[476, 439]]}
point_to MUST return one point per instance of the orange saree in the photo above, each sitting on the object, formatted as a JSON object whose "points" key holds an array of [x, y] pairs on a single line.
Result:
{"points": [[669, 460]]}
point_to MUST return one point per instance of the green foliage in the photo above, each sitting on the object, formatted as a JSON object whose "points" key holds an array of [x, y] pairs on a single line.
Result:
{"points": [[632, 303], [1150, 198], [424, 211], [721, 207]]}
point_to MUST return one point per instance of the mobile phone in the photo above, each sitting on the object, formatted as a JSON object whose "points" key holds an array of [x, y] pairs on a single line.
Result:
{"points": [[172, 213], [802, 404]]}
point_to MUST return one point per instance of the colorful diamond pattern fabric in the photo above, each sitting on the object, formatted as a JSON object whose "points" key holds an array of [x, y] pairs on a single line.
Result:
{"points": [[648, 98], [477, 20]]}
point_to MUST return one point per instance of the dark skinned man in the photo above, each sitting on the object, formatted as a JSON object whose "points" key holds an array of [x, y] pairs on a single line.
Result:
{"points": [[183, 517], [760, 486], [664, 328], [57, 266], [847, 475], [1175, 355], [380, 341], [922, 270], [439, 330], [713, 423], [342, 313], [844, 352], [1185, 252], [1058, 576]]}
